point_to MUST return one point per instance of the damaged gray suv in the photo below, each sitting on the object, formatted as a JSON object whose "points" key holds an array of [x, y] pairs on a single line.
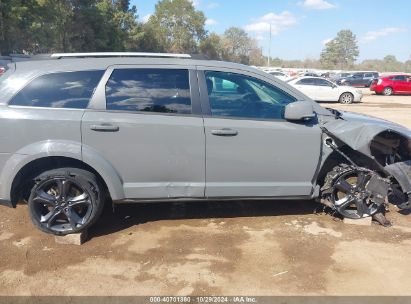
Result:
{"points": [[78, 129]]}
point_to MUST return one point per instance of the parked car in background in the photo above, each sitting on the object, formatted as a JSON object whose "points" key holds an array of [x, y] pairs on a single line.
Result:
{"points": [[321, 89], [311, 74], [2, 70], [392, 84], [280, 75], [359, 79], [328, 75], [5, 60], [338, 76]]}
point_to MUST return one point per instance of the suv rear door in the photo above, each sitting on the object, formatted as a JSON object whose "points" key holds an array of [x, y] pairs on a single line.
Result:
{"points": [[146, 122], [251, 150], [357, 79]]}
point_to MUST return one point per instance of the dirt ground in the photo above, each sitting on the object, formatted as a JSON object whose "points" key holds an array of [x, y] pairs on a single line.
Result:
{"points": [[235, 248]]}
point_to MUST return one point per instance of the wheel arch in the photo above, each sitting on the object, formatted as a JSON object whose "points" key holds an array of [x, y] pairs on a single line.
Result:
{"points": [[347, 92], [379, 143], [51, 155], [335, 159]]}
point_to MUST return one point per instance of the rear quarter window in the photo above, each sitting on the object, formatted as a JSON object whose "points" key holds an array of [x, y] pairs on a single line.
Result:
{"points": [[306, 81], [59, 90]]}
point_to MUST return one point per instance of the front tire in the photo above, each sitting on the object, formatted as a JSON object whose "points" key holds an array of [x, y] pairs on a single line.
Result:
{"points": [[346, 98], [66, 200]]}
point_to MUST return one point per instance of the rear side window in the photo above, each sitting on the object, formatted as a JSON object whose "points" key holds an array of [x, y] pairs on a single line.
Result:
{"points": [[306, 81], [399, 78], [59, 90], [149, 90]]}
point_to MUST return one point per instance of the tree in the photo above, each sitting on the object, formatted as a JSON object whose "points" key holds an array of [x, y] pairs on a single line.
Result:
{"points": [[44, 26], [176, 26], [212, 47], [237, 45], [407, 66], [391, 64], [16, 18], [341, 52]]}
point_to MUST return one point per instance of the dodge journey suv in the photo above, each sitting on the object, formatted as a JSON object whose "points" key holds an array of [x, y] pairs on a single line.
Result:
{"points": [[80, 129]]}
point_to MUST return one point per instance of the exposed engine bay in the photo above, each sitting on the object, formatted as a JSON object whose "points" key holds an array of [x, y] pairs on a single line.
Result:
{"points": [[373, 171]]}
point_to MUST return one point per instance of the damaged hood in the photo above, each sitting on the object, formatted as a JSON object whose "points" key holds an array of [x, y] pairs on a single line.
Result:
{"points": [[358, 130]]}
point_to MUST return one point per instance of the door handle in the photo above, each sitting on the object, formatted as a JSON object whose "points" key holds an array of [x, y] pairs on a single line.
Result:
{"points": [[105, 128], [224, 132]]}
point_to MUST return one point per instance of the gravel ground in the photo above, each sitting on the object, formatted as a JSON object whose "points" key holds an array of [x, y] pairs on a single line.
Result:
{"points": [[235, 248]]}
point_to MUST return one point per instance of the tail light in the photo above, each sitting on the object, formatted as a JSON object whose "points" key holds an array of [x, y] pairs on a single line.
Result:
{"points": [[2, 70]]}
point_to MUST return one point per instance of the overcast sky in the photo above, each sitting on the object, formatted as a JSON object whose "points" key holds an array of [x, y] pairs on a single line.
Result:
{"points": [[301, 27]]}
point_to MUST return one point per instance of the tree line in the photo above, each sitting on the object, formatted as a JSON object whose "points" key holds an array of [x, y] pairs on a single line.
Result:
{"points": [[47, 26]]}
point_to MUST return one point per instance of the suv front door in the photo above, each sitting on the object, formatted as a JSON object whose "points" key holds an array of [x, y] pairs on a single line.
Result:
{"points": [[251, 150], [400, 84], [146, 122]]}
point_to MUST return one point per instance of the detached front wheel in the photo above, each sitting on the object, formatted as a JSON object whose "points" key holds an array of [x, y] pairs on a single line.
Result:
{"points": [[354, 192], [66, 200]]}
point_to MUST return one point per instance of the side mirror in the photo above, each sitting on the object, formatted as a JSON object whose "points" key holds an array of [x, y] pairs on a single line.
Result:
{"points": [[299, 110]]}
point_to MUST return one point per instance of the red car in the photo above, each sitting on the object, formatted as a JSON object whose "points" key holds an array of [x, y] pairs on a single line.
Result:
{"points": [[2, 70], [392, 84]]}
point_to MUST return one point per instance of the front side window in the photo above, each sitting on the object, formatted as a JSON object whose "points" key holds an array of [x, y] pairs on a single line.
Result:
{"points": [[59, 90], [236, 95], [149, 90]]}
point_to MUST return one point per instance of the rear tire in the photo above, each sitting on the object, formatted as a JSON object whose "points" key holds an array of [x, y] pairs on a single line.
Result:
{"points": [[387, 91], [66, 200], [346, 98]]}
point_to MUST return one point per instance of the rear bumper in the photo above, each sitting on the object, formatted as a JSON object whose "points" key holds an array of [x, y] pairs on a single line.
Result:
{"points": [[377, 88], [6, 203]]}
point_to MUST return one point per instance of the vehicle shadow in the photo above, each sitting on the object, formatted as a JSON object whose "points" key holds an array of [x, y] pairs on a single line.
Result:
{"points": [[128, 215]]}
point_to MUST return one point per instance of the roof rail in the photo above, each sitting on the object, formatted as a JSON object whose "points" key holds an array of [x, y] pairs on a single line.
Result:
{"points": [[119, 54]]}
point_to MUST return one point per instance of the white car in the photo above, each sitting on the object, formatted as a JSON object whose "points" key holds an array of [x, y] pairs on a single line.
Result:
{"points": [[321, 89], [280, 75]]}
